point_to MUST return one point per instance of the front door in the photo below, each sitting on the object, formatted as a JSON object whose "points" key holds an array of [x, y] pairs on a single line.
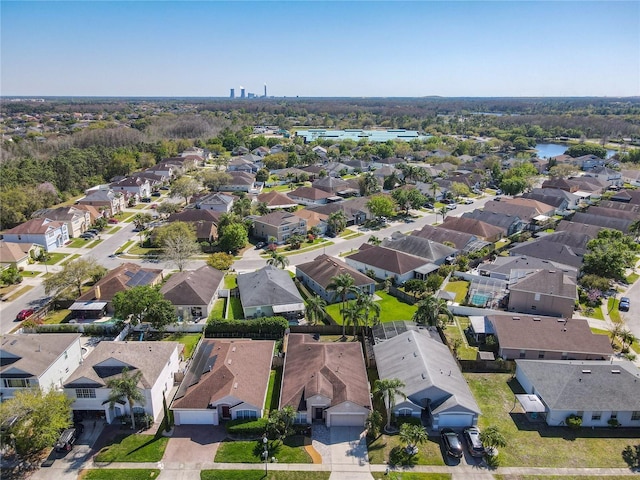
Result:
{"points": [[318, 413], [226, 413]]}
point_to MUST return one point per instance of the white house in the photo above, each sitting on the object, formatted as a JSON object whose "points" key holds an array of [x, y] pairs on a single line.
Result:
{"points": [[158, 362], [37, 360], [42, 231]]}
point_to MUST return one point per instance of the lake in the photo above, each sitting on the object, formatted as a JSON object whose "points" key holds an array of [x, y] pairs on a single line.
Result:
{"points": [[548, 150]]}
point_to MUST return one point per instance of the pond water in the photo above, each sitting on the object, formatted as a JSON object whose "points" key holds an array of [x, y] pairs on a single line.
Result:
{"points": [[548, 150]]}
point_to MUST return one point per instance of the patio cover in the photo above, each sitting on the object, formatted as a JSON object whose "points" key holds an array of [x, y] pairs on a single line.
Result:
{"points": [[88, 306], [290, 307], [531, 403]]}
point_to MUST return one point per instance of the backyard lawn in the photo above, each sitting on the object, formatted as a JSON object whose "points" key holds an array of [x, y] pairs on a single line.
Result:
{"points": [[460, 288], [134, 448], [538, 445], [456, 330], [57, 316], [118, 474], [218, 308], [273, 391], [291, 451], [391, 309], [189, 340], [235, 309]]}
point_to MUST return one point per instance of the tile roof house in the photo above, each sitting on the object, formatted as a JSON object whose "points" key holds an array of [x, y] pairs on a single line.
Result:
{"points": [[387, 263], [48, 233], [545, 292], [37, 361], [227, 380], [317, 275], [598, 392], [276, 200], [481, 230], [325, 381], [433, 381], [123, 277], [87, 386], [278, 226], [193, 292], [77, 220], [537, 337], [15, 254], [269, 291]]}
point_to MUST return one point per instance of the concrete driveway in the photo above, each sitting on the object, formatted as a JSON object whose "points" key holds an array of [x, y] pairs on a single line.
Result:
{"points": [[345, 449], [193, 444]]}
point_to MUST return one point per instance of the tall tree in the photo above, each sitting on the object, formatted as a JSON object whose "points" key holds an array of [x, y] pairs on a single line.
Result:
{"points": [[185, 187], [315, 309], [343, 285], [126, 386], [389, 389], [381, 206], [369, 308], [233, 238], [429, 311], [352, 315], [368, 184], [74, 274], [278, 260], [609, 254], [213, 180], [492, 438], [178, 250], [442, 211], [137, 302], [337, 222]]}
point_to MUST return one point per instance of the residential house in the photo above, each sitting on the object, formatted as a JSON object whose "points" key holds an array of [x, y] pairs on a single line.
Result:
{"points": [[565, 248], [310, 196], [615, 212], [387, 263], [524, 208], [318, 274], [510, 224], [549, 338], [603, 221], [600, 393], [465, 242], [627, 196], [433, 384], [354, 209], [276, 200], [105, 200], [138, 187], [42, 231], [482, 230], [514, 268], [435, 253], [193, 292], [77, 221], [314, 219], [242, 182], [241, 164], [631, 176], [331, 185], [625, 207], [155, 180], [583, 228], [278, 226], [589, 162], [121, 278], [42, 361], [88, 385], [94, 213], [562, 200], [217, 202], [325, 381], [545, 292], [226, 380], [15, 255], [613, 177], [205, 222], [270, 291]]}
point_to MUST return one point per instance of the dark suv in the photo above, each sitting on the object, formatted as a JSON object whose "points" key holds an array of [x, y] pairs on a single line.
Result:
{"points": [[474, 444], [624, 304], [451, 442], [66, 440]]}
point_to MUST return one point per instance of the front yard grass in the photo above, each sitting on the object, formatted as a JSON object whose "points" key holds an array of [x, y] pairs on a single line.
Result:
{"points": [[391, 309], [230, 281], [134, 448], [235, 309], [460, 288], [78, 243], [137, 249], [386, 447], [564, 477], [10, 293], [118, 474], [259, 475], [612, 308], [538, 445], [410, 476], [189, 340], [631, 279], [54, 258], [29, 273], [290, 451]]}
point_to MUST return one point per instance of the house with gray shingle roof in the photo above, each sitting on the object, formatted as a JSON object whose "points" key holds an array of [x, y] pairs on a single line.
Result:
{"points": [[509, 223], [270, 291], [227, 380], [462, 241], [87, 386], [603, 221], [547, 249], [434, 252], [433, 382], [596, 391], [193, 292], [482, 230]]}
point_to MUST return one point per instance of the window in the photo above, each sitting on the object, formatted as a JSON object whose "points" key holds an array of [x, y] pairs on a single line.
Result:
{"points": [[533, 307], [614, 416], [635, 416], [16, 382], [522, 353], [242, 414], [301, 417], [565, 355], [596, 416], [541, 354], [404, 412], [85, 392]]}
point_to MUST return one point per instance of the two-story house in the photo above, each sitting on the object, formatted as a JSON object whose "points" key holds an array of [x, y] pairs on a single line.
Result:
{"points": [[278, 226], [42, 231]]}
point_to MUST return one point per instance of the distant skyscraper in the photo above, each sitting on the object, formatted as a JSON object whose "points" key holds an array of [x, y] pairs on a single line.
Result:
{"points": [[241, 92], [233, 93], [265, 90]]}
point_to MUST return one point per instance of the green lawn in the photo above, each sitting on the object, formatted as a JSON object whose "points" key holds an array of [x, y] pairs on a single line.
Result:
{"points": [[125, 217], [612, 308], [118, 474], [29, 273], [54, 258], [456, 330], [218, 308], [189, 340], [632, 278], [70, 259], [539, 445], [230, 281], [391, 309], [592, 312], [134, 448], [383, 447], [78, 243], [273, 392], [235, 309], [259, 475], [139, 250], [460, 288], [57, 316], [291, 451], [125, 246], [410, 476], [564, 477], [95, 243]]}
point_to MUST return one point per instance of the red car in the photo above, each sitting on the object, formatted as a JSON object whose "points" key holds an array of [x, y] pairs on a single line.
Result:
{"points": [[24, 314], [112, 220], [154, 206]]}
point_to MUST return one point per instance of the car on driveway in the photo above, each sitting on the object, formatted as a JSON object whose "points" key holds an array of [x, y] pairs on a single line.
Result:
{"points": [[624, 304], [474, 444], [452, 206], [24, 314], [260, 245], [451, 442], [113, 220], [66, 440], [467, 201]]}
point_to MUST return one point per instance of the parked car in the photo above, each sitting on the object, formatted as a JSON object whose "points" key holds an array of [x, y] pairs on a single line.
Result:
{"points": [[66, 440], [24, 314], [474, 444], [624, 304], [113, 220], [451, 442], [452, 206], [428, 205], [164, 188], [94, 231], [467, 201], [146, 200], [260, 245], [156, 194], [87, 235]]}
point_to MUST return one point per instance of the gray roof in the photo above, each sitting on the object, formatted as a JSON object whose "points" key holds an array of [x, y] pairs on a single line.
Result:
{"points": [[418, 246], [424, 365], [548, 282], [460, 239], [614, 212], [606, 222], [108, 359], [505, 265], [196, 287], [501, 220], [31, 354], [567, 226], [552, 251], [566, 385], [267, 286]]}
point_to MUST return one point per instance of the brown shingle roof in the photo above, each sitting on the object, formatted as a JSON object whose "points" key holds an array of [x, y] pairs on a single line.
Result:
{"points": [[13, 252], [222, 368], [387, 259], [335, 370], [310, 193], [323, 268], [475, 227], [441, 235], [35, 226], [548, 282], [195, 287], [121, 278], [275, 199]]}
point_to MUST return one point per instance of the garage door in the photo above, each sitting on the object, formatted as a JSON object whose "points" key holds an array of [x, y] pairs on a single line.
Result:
{"points": [[202, 417], [455, 421], [347, 420]]}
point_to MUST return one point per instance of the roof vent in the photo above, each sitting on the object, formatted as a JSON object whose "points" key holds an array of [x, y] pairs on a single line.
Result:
{"points": [[235, 385], [233, 349], [424, 376], [229, 362], [616, 371], [415, 354], [536, 319], [586, 371], [515, 318]]}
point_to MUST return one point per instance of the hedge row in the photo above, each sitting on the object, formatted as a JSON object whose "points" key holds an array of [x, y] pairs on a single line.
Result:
{"points": [[259, 326], [247, 426]]}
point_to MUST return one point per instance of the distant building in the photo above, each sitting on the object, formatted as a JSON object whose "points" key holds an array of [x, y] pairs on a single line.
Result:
{"points": [[233, 93]]}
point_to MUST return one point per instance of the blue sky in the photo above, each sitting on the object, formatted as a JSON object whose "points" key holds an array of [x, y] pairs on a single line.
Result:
{"points": [[313, 48]]}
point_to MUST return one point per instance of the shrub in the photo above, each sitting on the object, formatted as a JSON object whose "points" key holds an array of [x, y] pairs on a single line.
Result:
{"points": [[574, 422], [613, 422], [260, 326], [247, 427], [410, 420]]}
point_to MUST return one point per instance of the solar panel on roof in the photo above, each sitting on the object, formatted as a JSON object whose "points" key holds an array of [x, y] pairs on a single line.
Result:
{"points": [[141, 277]]}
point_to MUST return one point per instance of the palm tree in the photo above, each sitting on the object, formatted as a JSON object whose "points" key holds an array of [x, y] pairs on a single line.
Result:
{"points": [[627, 338], [315, 309], [442, 211], [337, 221], [389, 389], [412, 435], [492, 438], [352, 316], [262, 208], [342, 285], [367, 306], [373, 240], [126, 386], [429, 311], [278, 260], [614, 333]]}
